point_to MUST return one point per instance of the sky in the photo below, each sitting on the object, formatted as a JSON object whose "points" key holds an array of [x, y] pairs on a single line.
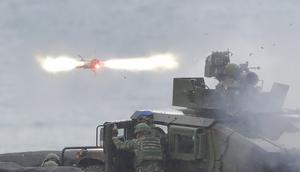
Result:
{"points": [[50, 111]]}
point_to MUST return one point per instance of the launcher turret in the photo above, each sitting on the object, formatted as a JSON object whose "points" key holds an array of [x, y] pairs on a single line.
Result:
{"points": [[237, 91]]}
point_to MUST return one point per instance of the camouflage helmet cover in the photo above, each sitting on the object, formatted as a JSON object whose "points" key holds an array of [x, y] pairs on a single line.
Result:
{"points": [[51, 160], [51, 156]]}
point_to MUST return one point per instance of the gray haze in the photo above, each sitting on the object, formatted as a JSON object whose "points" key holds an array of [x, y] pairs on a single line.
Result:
{"points": [[45, 111]]}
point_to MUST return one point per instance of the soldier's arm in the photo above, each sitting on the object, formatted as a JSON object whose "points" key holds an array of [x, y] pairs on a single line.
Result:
{"points": [[129, 144]]}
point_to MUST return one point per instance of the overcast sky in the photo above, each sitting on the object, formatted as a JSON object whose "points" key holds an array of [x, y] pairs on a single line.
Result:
{"points": [[35, 104]]}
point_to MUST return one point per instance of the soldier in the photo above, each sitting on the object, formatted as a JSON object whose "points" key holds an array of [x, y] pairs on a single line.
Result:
{"points": [[147, 149], [51, 160], [147, 117]]}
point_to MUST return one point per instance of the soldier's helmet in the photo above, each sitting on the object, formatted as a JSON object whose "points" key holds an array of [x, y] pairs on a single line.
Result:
{"points": [[232, 70], [142, 127], [51, 160]]}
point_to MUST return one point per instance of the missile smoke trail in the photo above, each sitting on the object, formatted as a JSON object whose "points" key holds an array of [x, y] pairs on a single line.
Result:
{"points": [[64, 63]]}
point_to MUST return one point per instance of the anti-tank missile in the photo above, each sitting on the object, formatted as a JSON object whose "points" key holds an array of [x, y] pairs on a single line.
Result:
{"points": [[93, 64]]}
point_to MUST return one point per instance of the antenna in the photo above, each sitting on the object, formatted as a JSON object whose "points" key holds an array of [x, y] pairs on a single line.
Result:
{"points": [[81, 58]]}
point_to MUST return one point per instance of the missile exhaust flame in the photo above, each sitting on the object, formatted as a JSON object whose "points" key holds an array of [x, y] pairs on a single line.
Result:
{"points": [[64, 63], [155, 62], [59, 64]]}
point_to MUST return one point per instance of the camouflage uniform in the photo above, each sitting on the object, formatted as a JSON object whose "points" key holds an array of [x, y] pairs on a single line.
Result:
{"points": [[147, 150]]}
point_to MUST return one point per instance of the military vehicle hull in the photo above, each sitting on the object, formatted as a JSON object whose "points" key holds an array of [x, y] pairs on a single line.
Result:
{"points": [[225, 149]]}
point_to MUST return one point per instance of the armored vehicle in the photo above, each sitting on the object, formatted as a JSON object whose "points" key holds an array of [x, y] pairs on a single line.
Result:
{"points": [[234, 127]]}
